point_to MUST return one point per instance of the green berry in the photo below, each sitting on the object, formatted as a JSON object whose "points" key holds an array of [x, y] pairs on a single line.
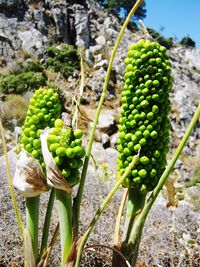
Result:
{"points": [[144, 160], [70, 153], [145, 105], [61, 151], [58, 123], [78, 133]]}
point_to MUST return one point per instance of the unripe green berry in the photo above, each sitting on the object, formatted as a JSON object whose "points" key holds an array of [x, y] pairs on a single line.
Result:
{"points": [[144, 125]]}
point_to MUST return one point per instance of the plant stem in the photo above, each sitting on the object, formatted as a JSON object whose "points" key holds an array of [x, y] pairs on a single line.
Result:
{"points": [[78, 199], [116, 241], [64, 206], [32, 218], [47, 221], [116, 258], [82, 85], [135, 234], [136, 201], [101, 209], [12, 193]]}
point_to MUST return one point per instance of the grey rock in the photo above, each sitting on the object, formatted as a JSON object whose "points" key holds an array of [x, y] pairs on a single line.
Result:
{"points": [[31, 39], [89, 58], [82, 26], [111, 158], [105, 140], [113, 139], [107, 23], [101, 64], [101, 40], [111, 33], [12, 162], [107, 122], [96, 49]]}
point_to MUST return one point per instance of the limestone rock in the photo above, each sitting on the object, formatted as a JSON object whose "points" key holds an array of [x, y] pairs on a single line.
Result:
{"points": [[107, 122], [105, 140]]}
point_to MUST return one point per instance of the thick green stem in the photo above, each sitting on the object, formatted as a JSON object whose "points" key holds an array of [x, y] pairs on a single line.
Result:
{"points": [[136, 201], [135, 234], [47, 221], [101, 209], [32, 219], [78, 198], [64, 206]]}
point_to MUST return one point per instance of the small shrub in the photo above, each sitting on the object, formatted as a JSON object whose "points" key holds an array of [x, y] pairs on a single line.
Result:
{"points": [[167, 42], [63, 59], [187, 42], [14, 107], [32, 65], [18, 84]]}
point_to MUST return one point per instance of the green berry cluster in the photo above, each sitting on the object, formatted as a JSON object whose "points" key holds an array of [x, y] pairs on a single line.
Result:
{"points": [[144, 124], [66, 148], [44, 109]]}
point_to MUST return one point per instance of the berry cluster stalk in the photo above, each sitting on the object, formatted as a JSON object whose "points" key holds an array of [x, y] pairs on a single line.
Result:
{"points": [[78, 199], [132, 242]]}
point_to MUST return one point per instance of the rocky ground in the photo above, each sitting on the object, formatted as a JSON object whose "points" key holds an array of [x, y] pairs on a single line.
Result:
{"points": [[171, 235]]}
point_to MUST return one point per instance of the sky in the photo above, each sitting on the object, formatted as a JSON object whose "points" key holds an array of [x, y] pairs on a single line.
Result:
{"points": [[178, 17]]}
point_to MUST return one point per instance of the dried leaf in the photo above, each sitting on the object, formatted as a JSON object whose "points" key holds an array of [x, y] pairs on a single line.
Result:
{"points": [[142, 264], [54, 176], [29, 178], [44, 260], [171, 191], [29, 259]]}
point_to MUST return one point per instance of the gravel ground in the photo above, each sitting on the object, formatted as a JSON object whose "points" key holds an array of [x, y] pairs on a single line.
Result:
{"points": [[170, 237]]}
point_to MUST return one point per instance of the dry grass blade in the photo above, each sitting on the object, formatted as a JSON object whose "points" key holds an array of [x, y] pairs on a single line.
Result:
{"points": [[29, 259], [111, 248], [12, 193], [171, 192], [118, 220], [44, 260]]}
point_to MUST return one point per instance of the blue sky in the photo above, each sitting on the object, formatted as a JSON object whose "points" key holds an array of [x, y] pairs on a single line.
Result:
{"points": [[178, 17]]}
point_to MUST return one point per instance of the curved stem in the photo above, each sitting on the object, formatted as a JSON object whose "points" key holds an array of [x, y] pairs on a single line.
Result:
{"points": [[140, 220], [64, 206], [32, 218], [78, 198], [47, 221], [101, 209]]}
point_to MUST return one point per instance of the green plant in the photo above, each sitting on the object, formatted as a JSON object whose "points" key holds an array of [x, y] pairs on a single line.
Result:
{"points": [[72, 244], [32, 65], [167, 42], [187, 42], [67, 151], [19, 83], [63, 59], [44, 108], [145, 105]]}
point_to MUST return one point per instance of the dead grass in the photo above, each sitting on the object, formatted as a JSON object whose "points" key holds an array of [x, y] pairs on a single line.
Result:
{"points": [[14, 108]]}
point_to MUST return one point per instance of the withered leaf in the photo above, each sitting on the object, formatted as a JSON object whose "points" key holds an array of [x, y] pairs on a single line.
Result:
{"points": [[29, 178], [54, 176], [171, 191]]}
